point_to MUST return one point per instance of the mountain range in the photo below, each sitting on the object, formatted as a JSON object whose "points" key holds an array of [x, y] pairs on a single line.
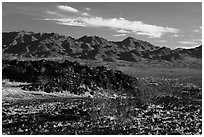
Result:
{"points": [[46, 45]]}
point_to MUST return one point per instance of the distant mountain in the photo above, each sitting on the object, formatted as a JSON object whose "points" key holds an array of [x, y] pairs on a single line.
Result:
{"points": [[45, 45], [130, 43]]}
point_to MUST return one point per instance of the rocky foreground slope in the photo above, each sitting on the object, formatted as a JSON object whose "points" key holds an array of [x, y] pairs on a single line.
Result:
{"points": [[51, 76], [114, 105]]}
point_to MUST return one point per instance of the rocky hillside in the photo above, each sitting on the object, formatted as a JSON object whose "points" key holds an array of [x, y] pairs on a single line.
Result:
{"points": [[45, 45], [51, 76]]}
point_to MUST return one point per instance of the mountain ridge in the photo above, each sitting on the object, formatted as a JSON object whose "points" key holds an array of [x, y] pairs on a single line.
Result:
{"points": [[38, 45]]}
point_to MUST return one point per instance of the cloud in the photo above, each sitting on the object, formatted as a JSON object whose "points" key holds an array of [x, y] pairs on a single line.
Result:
{"points": [[69, 22], [188, 47], [85, 14], [188, 42], [71, 9], [119, 35], [137, 27], [123, 31], [51, 12], [176, 35], [198, 40], [67, 8], [87, 9], [199, 30]]}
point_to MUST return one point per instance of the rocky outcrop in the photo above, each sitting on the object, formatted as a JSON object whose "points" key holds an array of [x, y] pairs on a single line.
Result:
{"points": [[51, 76]]}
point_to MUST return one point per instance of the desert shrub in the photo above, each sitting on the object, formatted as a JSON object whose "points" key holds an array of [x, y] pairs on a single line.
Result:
{"points": [[150, 91]]}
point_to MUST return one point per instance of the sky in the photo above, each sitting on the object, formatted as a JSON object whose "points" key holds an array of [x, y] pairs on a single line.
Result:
{"points": [[166, 24]]}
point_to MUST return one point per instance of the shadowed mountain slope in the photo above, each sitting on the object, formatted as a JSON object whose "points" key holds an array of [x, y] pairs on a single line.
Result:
{"points": [[45, 45]]}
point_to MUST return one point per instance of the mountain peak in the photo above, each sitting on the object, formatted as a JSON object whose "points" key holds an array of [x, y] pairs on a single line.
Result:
{"points": [[130, 39], [23, 32], [92, 39]]}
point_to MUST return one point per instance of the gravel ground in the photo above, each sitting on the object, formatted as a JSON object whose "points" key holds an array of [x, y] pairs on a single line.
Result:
{"points": [[101, 116]]}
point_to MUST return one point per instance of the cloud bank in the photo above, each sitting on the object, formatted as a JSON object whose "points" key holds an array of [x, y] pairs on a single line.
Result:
{"points": [[123, 31], [199, 30], [137, 27], [85, 14], [120, 25], [119, 35], [188, 42], [87, 9]]}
